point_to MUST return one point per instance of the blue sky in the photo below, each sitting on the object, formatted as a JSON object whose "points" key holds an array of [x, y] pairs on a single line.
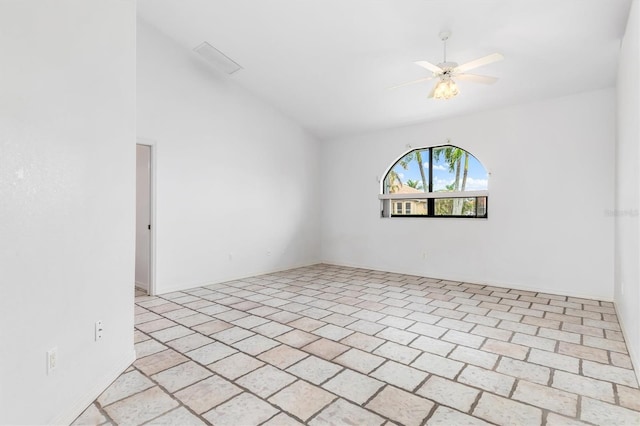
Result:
{"points": [[477, 178]]}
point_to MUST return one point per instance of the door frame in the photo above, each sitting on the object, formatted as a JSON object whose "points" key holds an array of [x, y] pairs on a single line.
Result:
{"points": [[152, 211]]}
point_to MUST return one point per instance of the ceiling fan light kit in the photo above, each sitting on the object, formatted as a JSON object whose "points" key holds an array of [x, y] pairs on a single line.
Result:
{"points": [[445, 72]]}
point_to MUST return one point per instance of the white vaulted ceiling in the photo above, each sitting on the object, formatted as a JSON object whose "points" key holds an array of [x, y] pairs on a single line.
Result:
{"points": [[327, 63]]}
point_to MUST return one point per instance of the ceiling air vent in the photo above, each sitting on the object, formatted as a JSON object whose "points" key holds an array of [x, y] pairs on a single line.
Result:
{"points": [[216, 58]]}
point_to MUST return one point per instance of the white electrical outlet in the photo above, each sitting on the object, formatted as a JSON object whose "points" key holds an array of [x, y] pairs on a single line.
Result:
{"points": [[99, 330], [52, 360]]}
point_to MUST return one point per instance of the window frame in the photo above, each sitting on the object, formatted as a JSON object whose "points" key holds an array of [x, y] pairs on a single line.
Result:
{"points": [[387, 199]]}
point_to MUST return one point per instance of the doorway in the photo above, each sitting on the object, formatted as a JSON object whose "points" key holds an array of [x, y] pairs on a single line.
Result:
{"points": [[144, 220]]}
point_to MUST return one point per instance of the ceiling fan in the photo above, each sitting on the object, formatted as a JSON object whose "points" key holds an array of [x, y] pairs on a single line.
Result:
{"points": [[445, 72]]}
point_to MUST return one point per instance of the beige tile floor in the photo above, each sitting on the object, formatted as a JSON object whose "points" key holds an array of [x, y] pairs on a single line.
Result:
{"points": [[328, 345]]}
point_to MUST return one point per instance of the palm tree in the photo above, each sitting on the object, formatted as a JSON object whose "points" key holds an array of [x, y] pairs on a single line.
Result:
{"points": [[392, 182], [417, 156], [453, 157], [414, 184]]}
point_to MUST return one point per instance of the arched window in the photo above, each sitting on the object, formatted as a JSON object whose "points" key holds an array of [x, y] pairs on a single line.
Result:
{"points": [[440, 181]]}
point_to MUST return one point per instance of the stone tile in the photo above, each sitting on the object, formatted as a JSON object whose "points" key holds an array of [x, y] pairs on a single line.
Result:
{"points": [[282, 356], [554, 419], [302, 399], [160, 309], [435, 346], [214, 309], [583, 386], [181, 376], [396, 322], [271, 329], [297, 338], [488, 380], [342, 413], [171, 333], [326, 349], [359, 360], [141, 407], [125, 385], [402, 407], [333, 332], [614, 335], [395, 335], [244, 409], [507, 349], [428, 330], [232, 335], [139, 336], [399, 375], [492, 332], [524, 370], [438, 365], [192, 320], [265, 381], [282, 419], [481, 320], [339, 319], [208, 393], [90, 417], [235, 365], [397, 352], [504, 411], [263, 311], [581, 329], [353, 386], [210, 353], [611, 345], [189, 342], [179, 416], [601, 413], [212, 327], [449, 393], [458, 325], [250, 321], [307, 324], [629, 398], [161, 361], [148, 347], [366, 327], [151, 326], [609, 373], [255, 345], [534, 342], [620, 360], [553, 360], [518, 327], [584, 352], [444, 416], [464, 339], [563, 336], [545, 397], [145, 317], [474, 356], [314, 369], [362, 341]]}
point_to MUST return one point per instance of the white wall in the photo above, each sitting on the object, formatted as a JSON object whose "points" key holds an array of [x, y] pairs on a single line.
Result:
{"points": [[143, 162], [627, 231], [236, 182], [67, 182], [551, 184]]}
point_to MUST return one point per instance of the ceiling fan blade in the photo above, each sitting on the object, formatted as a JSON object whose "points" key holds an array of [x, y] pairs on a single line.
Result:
{"points": [[485, 60], [482, 79], [420, 80], [428, 65]]}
